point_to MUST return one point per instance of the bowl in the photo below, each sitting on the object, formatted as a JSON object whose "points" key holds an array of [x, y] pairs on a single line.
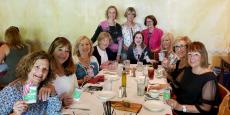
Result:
{"points": [[154, 93]]}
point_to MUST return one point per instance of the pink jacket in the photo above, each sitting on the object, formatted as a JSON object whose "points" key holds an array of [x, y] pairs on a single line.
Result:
{"points": [[155, 41]]}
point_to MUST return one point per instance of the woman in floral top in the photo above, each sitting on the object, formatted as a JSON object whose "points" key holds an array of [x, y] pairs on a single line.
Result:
{"points": [[33, 70], [87, 65], [128, 29]]}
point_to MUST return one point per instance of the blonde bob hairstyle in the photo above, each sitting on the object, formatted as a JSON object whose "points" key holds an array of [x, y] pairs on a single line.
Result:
{"points": [[186, 39], [77, 44], [102, 36], [131, 10]]}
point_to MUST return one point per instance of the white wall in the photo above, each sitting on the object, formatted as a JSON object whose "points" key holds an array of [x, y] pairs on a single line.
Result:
{"points": [[43, 20]]}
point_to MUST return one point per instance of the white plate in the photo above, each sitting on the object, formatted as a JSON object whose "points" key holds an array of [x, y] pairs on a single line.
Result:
{"points": [[106, 95], [154, 105]]}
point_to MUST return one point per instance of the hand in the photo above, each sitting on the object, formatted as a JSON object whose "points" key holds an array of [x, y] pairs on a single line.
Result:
{"points": [[118, 58], [46, 91], [125, 47], [20, 107], [152, 61], [165, 63], [86, 78], [173, 103], [67, 100]]}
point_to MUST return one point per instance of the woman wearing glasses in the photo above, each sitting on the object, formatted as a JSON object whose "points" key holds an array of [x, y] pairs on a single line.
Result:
{"points": [[152, 35], [197, 93], [177, 61]]}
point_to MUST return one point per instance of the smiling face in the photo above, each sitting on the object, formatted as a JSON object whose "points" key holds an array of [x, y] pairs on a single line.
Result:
{"points": [[180, 49], [112, 13], [84, 47], [61, 53], [104, 43], [138, 39], [39, 71], [166, 43], [130, 16], [149, 23], [194, 59]]}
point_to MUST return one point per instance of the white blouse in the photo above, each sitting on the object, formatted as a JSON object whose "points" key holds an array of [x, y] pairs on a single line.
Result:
{"points": [[103, 54], [128, 33], [65, 84]]}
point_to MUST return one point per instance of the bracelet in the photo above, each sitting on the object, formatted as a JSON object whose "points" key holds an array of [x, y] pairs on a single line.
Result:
{"points": [[184, 108]]}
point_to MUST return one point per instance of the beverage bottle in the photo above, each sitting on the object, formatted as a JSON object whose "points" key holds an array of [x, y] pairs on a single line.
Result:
{"points": [[123, 79]]}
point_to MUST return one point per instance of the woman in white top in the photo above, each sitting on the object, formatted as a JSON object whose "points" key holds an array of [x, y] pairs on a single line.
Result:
{"points": [[63, 67], [86, 65], [128, 29]]}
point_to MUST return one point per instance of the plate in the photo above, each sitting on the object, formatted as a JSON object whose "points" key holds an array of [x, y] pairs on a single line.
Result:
{"points": [[154, 105], [106, 95]]}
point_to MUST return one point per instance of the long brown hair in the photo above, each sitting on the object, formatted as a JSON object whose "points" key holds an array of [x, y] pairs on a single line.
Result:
{"points": [[68, 65], [13, 37]]}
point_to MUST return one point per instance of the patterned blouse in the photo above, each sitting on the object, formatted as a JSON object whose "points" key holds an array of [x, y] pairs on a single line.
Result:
{"points": [[82, 71], [128, 33], [13, 92]]}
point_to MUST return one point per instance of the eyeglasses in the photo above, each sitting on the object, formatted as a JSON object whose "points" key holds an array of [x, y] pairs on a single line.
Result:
{"points": [[180, 46], [149, 21]]}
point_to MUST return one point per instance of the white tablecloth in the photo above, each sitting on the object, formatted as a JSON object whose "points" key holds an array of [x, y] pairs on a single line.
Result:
{"points": [[92, 102]]}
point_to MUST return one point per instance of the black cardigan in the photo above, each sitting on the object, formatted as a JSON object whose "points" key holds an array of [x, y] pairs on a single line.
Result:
{"points": [[97, 55]]}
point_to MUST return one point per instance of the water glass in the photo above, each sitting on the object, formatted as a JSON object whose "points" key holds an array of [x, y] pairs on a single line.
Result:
{"points": [[140, 87], [126, 64]]}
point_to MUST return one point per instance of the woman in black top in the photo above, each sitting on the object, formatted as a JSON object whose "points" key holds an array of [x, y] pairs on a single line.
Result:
{"points": [[101, 51], [111, 26], [197, 91], [138, 51]]}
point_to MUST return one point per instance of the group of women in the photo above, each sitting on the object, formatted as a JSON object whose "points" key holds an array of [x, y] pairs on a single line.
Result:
{"points": [[59, 71]]}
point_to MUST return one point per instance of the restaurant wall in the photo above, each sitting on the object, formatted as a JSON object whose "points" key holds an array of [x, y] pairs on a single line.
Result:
{"points": [[40, 21]]}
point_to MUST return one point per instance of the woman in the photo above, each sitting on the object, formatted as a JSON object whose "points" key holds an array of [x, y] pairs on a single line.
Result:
{"points": [[176, 63], [198, 85], [128, 29], [32, 70], [111, 26], [11, 52], [101, 51], [87, 66], [166, 45], [152, 35], [138, 51], [63, 67]]}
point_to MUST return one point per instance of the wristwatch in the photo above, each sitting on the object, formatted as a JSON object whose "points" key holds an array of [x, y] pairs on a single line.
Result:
{"points": [[184, 109]]}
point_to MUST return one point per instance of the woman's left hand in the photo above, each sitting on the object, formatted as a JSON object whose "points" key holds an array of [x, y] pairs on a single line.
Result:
{"points": [[46, 91], [173, 103]]}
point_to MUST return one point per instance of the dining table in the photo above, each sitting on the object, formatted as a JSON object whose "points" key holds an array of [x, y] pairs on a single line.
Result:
{"points": [[90, 102]]}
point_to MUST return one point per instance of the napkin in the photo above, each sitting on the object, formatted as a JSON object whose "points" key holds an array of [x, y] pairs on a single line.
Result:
{"points": [[97, 79]]}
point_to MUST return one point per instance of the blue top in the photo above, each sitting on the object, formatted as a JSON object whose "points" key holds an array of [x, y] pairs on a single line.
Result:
{"points": [[13, 92], [82, 71]]}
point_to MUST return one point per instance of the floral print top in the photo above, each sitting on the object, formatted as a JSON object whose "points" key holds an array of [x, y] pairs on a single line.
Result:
{"points": [[13, 92]]}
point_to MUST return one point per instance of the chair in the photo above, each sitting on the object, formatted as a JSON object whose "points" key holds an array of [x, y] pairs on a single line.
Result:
{"points": [[224, 108], [223, 91]]}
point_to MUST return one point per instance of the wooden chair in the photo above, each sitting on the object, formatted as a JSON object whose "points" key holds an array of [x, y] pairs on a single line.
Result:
{"points": [[224, 108]]}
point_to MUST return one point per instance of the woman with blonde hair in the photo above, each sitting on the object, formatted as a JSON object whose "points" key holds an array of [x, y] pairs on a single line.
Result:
{"points": [[87, 65], [11, 52], [63, 67], [101, 51], [128, 29]]}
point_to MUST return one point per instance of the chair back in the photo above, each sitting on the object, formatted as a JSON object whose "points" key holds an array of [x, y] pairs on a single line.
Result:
{"points": [[222, 91], [224, 108]]}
